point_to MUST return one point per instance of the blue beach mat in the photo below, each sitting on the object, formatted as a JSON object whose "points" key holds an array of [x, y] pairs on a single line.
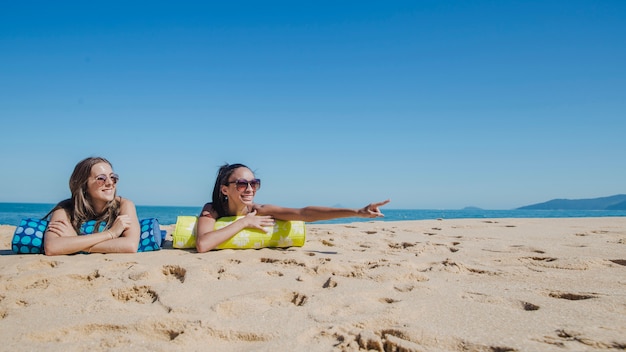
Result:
{"points": [[28, 236]]}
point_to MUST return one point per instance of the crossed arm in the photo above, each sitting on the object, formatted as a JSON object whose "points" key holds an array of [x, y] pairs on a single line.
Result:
{"points": [[123, 237]]}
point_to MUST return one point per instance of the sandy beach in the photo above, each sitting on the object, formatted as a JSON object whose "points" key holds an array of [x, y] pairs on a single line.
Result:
{"points": [[431, 285]]}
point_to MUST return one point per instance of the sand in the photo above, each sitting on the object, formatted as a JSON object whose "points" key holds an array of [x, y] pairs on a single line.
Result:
{"points": [[432, 285]]}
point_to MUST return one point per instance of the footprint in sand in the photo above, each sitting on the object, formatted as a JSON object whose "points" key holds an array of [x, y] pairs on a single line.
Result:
{"points": [[397, 340], [175, 271], [454, 267], [86, 278], [538, 259], [285, 262], [330, 283], [522, 248], [564, 336], [404, 288], [485, 298], [619, 261], [389, 300], [328, 243], [299, 299], [571, 296], [43, 264], [402, 245], [387, 340], [39, 284], [22, 303], [139, 294], [564, 263]]}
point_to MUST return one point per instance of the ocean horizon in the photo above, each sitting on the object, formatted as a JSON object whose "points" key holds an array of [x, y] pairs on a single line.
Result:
{"points": [[12, 213]]}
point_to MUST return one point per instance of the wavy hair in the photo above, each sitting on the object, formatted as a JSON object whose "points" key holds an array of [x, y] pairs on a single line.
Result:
{"points": [[220, 201], [79, 208]]}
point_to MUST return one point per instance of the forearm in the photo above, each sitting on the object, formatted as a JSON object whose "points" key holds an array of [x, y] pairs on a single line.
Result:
{"points": [[208, 240], [316, 213], [117, 245], [58, 245]]}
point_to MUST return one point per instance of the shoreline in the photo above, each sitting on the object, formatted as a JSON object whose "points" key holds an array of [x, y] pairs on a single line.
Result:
{"points": [[392, 222], [168, 215], [509, 284]]}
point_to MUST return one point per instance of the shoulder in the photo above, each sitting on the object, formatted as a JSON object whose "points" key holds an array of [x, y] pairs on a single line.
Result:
{"points": [[59, 213], [66, 204], [125, 202], [61, 209], [126, 206], [208, 211], [267, 209]]}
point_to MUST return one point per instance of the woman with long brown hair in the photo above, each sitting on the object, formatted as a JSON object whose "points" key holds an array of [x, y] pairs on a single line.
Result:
{"points": [[94, 197]]}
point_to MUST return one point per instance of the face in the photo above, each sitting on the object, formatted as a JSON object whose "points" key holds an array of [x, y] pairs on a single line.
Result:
{"points": [[101, 184], [241, 187]]}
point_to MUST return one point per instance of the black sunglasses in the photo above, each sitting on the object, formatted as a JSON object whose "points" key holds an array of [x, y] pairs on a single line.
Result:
{"points": [[242, 184]]}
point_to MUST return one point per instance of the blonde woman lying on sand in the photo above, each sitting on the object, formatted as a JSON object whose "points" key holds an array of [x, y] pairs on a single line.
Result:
{"points": [[233, 195], [93, 187]]}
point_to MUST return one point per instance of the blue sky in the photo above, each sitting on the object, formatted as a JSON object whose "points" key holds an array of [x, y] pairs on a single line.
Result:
{"points": [[433, 104]]}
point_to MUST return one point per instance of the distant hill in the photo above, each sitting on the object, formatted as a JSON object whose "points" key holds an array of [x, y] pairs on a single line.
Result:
{"points": [[618, 206], [616, 202]]}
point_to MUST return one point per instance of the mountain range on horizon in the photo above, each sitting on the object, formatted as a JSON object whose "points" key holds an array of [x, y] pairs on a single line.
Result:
{"points": [[615, 202]]}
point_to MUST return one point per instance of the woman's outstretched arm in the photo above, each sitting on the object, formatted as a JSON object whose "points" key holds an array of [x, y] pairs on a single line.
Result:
{"points": [[317, 213]]}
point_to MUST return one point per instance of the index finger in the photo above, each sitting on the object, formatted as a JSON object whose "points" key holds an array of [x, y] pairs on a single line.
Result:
{"points": [[380, 204]]}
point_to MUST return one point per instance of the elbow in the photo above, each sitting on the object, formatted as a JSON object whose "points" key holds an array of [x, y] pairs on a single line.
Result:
{"points": [[130, 247], [202, 248], [51, 250], [127, 246], [204, 242], [205, 246]]}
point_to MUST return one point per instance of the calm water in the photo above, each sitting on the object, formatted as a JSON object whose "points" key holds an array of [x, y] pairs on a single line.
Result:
{"points": [[12, 213]]}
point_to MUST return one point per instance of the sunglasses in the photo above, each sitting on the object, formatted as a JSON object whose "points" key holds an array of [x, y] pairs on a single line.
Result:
{"points": [[102, 179], [242, 184]]}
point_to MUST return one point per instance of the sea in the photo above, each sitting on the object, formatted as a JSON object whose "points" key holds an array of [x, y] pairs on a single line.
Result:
{"points": [[12, 213]]}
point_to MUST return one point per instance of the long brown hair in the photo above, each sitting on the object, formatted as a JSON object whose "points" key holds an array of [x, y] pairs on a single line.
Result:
{"points": [[79, 208]]}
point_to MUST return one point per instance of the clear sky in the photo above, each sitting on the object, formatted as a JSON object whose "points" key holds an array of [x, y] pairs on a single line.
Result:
{"points": [[433, 104]]}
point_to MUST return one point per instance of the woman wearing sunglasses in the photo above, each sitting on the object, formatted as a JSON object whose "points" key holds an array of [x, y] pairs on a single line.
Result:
{"points": [[233, 194], [93, 188]]}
